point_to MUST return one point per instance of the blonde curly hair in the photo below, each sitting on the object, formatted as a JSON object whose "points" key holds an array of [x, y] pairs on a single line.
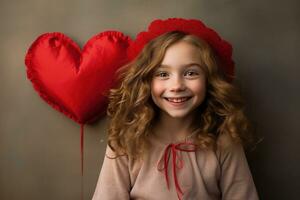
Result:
{"points": [[132, 112]]}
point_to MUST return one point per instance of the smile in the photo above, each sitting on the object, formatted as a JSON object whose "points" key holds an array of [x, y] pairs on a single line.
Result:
{"points": [[178, 100]]}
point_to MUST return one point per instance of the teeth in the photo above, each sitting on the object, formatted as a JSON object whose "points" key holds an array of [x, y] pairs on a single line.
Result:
{"points": [[177, 100]]}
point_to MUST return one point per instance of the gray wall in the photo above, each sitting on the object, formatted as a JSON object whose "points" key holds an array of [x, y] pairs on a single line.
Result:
{"points": [[40, 148]]}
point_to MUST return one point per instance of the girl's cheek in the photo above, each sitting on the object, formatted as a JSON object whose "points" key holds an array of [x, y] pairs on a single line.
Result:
{"points": [[199, 86], [156, 87]]}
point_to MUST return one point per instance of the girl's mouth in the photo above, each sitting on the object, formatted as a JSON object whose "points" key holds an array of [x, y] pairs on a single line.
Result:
{"points": [[178, 100]]}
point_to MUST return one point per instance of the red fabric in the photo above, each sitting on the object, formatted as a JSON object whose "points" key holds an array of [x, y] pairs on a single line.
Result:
{"points": [[76, 82], [72, 81], [222, 48], [177, 162]]}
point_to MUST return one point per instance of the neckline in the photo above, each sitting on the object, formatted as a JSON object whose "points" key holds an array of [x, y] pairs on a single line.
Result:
{"points": [[188, 138]]}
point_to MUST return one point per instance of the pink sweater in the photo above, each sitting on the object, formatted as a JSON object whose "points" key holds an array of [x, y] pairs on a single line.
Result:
{"points": [[203, 175]]}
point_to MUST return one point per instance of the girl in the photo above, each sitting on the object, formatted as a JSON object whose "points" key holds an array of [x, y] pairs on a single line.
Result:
{"points": [[177, 126]]}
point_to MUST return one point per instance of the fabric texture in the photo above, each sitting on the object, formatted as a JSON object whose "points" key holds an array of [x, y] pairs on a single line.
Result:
{"points": [[74, 81], [208, 175]]}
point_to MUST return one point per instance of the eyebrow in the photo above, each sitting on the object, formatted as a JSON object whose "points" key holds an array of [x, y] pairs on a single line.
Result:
{"points": [[187, 65]]}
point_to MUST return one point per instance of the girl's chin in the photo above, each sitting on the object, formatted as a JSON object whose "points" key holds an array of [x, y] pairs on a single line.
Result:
{"points": [[178, 115]]}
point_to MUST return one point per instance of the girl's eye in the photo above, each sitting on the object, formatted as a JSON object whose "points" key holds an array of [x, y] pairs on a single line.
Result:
{"points": [[162, 74], [191, 73]]}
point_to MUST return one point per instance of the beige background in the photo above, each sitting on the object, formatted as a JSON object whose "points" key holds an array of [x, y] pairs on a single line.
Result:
{"points": [[40, 147]]}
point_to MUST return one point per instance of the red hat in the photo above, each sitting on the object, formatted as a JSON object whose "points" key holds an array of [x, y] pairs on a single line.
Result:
{"points": [[222, 48]]}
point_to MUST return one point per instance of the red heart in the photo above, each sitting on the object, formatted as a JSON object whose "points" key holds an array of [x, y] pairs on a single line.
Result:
{"points": [[72, 81]]}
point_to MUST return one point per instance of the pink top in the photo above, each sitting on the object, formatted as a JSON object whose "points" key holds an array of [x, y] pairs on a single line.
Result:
{"points": [[178, 171]]}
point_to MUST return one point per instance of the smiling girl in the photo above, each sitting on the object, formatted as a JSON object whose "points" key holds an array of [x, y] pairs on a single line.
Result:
{"points": [[177, 126]]}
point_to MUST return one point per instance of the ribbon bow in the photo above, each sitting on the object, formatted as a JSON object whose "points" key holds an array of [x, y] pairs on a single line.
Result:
{"points": [[176, 163]]}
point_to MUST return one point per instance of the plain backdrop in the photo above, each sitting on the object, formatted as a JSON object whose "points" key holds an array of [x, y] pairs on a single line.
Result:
{"points": [[40, 147]]}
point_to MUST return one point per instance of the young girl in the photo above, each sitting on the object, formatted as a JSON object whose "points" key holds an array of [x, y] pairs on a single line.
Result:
{"points": [[177, 126]]}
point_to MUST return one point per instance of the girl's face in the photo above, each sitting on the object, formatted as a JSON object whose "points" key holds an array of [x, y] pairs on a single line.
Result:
{"points": [[178, 86]]}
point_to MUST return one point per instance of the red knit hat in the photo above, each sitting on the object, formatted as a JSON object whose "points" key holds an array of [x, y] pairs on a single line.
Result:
{"points": [[222, 48]]}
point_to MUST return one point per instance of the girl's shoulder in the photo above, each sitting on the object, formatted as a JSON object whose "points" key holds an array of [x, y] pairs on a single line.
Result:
{"points": [[111, 154], [227, 145], [225, 141]]}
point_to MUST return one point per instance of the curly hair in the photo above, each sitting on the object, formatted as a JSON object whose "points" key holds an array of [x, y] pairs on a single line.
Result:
{"points": [[132, 112]]}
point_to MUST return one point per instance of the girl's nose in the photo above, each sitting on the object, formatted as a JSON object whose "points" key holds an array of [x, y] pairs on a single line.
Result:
{"points": [[177, 85]]}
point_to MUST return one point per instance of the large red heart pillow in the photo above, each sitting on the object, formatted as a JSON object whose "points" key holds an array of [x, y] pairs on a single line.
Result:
{"points": [[72, 81]]}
